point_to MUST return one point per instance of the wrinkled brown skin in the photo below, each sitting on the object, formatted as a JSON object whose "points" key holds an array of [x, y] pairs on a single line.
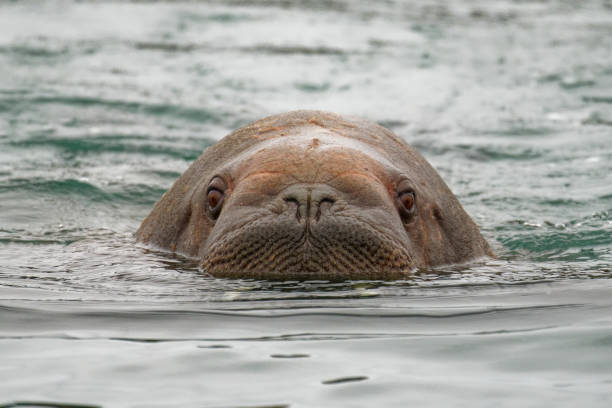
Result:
{"points": [[313, 195]]}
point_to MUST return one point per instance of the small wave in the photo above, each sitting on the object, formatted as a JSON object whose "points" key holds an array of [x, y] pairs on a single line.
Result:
{"points": [[130, 193], [495, 153], [551, 244], [518, 130], [342, 380], [482, 153], [45, 404], [57, 187], [165, 46], [597, 99], [597, 118], [198, 115], [271, 49], [116, 143], [39, 51], [293, 50]]}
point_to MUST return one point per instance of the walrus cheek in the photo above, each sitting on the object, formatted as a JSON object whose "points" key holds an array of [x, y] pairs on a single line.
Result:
{"points": [[430, 243], [192, 236]]}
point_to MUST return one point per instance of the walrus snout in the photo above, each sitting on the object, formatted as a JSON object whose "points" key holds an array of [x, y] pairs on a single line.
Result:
{"points": [[332, 248], [309, 202], [309, 230]]}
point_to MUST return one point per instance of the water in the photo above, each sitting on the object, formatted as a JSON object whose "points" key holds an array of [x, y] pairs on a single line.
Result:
{"points": [[102, 106]]}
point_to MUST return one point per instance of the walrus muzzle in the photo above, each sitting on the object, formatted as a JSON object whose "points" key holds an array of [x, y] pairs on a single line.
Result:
{"points": [[311, 240]]}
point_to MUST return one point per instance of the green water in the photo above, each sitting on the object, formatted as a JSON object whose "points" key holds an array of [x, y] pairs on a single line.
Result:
{"points": [[104, 105]]}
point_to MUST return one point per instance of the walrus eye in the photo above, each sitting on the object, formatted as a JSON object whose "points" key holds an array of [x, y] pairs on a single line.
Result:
{"points": [[407, 199], [406, 202], [215, 193], [214, 198]]}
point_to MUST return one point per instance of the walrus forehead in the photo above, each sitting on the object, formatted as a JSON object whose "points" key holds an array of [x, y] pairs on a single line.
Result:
{"points": [[314, 156]]}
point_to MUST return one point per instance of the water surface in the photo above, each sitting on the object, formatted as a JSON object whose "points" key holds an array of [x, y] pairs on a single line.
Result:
{"points": [[103, 106]]}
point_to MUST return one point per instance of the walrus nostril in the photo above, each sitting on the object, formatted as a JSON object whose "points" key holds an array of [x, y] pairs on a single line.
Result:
{"points": [[324, 206], [294, 203], [309, 203]]}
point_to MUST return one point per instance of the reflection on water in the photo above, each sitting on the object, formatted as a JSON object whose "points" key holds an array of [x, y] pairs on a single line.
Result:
{"points": [[102, 106]]}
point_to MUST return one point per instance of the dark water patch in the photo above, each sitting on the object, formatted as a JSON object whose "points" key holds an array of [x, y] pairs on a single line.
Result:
{"points": [[56, 188], [294, 50], [47, 49], [295, 355], [165, 46], [255, 406], [226, 17], [603, 341], [198, 115], [40, 404], [573, 82], [269, 291], [582, 255], [597, 118], [216, 346], [173, 262], [15, 239], [308, 286], [519, 131], [493, 153], [144, 340], [551, 77], [312, 87], [14, 92], [321, 5], [606, 197], [597, 99], [244, 296], [492, 17], [433, 31], [37, 51], [567, 81], [52, 234], [550, 244], [342, 380], [285, 338], [562, 202], [139, 194], [525, 225], [264, 49], [130, 144], [498, 153]]}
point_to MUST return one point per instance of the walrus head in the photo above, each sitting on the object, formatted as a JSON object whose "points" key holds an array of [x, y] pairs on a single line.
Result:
{"points": [[311, 195]]}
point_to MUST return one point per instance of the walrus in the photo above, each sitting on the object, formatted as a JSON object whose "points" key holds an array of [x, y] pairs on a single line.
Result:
{"points": [[311, 195]]}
